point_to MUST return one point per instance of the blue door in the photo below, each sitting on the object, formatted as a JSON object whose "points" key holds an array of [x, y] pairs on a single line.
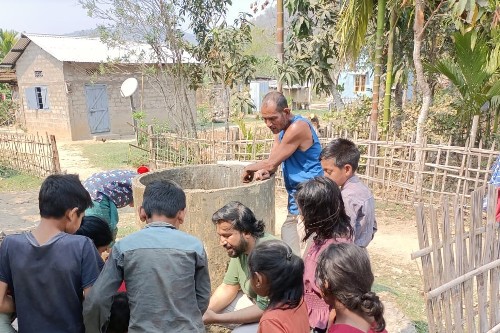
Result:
{"points": [[97, 106]]}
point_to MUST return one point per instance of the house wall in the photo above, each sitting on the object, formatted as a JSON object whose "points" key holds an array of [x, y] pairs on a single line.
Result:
{"points": [[346, 80], [258, 89], [54, 120], [148, 97], [162, 107]]}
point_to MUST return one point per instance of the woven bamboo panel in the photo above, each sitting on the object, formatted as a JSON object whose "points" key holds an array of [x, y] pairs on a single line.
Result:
{"points": [[460, 258], [34, 154]]}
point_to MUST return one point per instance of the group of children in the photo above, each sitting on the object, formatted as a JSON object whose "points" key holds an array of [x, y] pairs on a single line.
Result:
{"points": [[55, 280]]}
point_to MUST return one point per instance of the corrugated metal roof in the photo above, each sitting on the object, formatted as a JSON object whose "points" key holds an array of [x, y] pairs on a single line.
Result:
{"points": [[10, 58], [274, 84], [87, 49]]}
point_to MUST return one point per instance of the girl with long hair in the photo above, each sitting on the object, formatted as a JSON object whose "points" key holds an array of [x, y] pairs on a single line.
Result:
{"points": [[325, 220], [276, 272], [345, 278]]}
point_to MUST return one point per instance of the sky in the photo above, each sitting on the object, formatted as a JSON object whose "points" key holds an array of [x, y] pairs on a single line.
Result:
{"points": [[59, 17]]}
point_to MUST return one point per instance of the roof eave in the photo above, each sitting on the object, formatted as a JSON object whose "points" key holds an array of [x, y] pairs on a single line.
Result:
{"points": [[15, 53]]}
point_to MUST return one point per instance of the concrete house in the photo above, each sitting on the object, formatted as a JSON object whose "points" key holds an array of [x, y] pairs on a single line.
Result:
{"points": [[358, 83], [355, 84], [298, 96], [63, 90]]}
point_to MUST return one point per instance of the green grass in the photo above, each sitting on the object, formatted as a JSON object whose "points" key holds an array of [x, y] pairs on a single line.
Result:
{"points": [[405, 293], [12, 180], [400, 280], [109, 155], [125, 230], [318, 112]]}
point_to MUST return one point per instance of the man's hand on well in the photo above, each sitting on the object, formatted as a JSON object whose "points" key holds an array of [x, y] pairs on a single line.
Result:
{"points": [[262, 174], [247, 176]]}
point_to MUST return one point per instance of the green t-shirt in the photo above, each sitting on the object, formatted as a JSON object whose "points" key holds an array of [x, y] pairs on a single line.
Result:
{"points": [[237, 273]]}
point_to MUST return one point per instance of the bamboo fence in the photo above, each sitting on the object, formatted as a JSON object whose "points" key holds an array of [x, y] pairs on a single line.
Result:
{"points": [[33, 154], [170, 150], [445, 169], [460, 260]]}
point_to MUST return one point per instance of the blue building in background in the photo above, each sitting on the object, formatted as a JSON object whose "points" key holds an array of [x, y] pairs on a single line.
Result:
{"points": [[359, 82], [355, 84]]}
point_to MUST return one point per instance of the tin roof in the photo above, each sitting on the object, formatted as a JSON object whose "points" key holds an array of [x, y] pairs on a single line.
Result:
{"points": [[88, 49], [10, 59]]}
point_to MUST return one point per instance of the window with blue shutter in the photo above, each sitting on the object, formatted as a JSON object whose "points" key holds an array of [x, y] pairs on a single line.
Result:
{"points": [[31, 102], [37, 98]]}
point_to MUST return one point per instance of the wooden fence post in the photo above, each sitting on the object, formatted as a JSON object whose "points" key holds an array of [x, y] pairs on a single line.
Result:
{"points": [[473, 131], [152, 148], [56, 166]]}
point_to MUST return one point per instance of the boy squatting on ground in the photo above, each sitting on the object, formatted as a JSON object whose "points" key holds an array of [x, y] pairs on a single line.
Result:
{"points": [[339, 160], [165, 270], [31, 262]]}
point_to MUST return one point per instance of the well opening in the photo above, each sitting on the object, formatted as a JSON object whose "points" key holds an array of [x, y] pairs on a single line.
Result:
{"points": [[208, 188], [199, 177]]}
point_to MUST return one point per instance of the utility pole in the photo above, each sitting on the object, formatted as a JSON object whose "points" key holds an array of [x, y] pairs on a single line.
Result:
{"points": [[280, 37]]}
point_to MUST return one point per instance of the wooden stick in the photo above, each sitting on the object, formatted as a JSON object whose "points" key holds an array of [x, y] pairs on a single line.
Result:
{"points": [[461, 279]]}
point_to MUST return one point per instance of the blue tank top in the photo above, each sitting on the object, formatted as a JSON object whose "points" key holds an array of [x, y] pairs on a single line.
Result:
{"points": [[300, 166]]}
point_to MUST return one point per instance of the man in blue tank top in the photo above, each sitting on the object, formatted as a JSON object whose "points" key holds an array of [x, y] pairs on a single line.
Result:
{"points": [[296, 147]]}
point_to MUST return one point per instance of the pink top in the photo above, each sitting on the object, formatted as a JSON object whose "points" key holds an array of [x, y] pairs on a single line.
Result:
{"points": [[317, 309], [344, 328]]}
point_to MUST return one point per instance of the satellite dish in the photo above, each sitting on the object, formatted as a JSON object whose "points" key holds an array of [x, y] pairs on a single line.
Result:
{"points": [[129, 86]]}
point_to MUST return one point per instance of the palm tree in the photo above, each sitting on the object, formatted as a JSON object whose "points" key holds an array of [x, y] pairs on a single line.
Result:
{"points": [[351, 34], [7, 41], [474, 72]]}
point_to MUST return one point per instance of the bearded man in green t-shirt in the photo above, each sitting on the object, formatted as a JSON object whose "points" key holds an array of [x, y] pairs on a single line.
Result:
{"points": [[234, 302]]}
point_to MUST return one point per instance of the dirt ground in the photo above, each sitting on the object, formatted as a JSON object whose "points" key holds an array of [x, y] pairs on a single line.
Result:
{"points": [[390, 250]]}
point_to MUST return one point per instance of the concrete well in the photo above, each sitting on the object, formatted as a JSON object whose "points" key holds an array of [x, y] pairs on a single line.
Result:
{"points": [[208, 188]]}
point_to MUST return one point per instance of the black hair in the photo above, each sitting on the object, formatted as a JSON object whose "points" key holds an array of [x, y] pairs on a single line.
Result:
{"points": [[343, 152], [120, 314], [314, 119], [241, 217], [59, 193], [163, 197], [277, 99], [344, 271], [96, 229], [322, 208], [283, 270]]}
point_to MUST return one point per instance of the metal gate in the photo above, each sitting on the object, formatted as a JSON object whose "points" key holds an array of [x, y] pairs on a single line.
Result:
{"points": [[97, 106]]}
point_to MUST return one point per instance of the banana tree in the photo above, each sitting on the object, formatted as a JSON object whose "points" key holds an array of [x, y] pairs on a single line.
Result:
{"points": [[474, 72], [7, 41]]}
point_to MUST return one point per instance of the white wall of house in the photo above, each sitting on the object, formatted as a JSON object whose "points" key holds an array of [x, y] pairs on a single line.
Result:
{"points": [[148, 96], [36, 69], [61, 94], [80, 75], [258, 89]]}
